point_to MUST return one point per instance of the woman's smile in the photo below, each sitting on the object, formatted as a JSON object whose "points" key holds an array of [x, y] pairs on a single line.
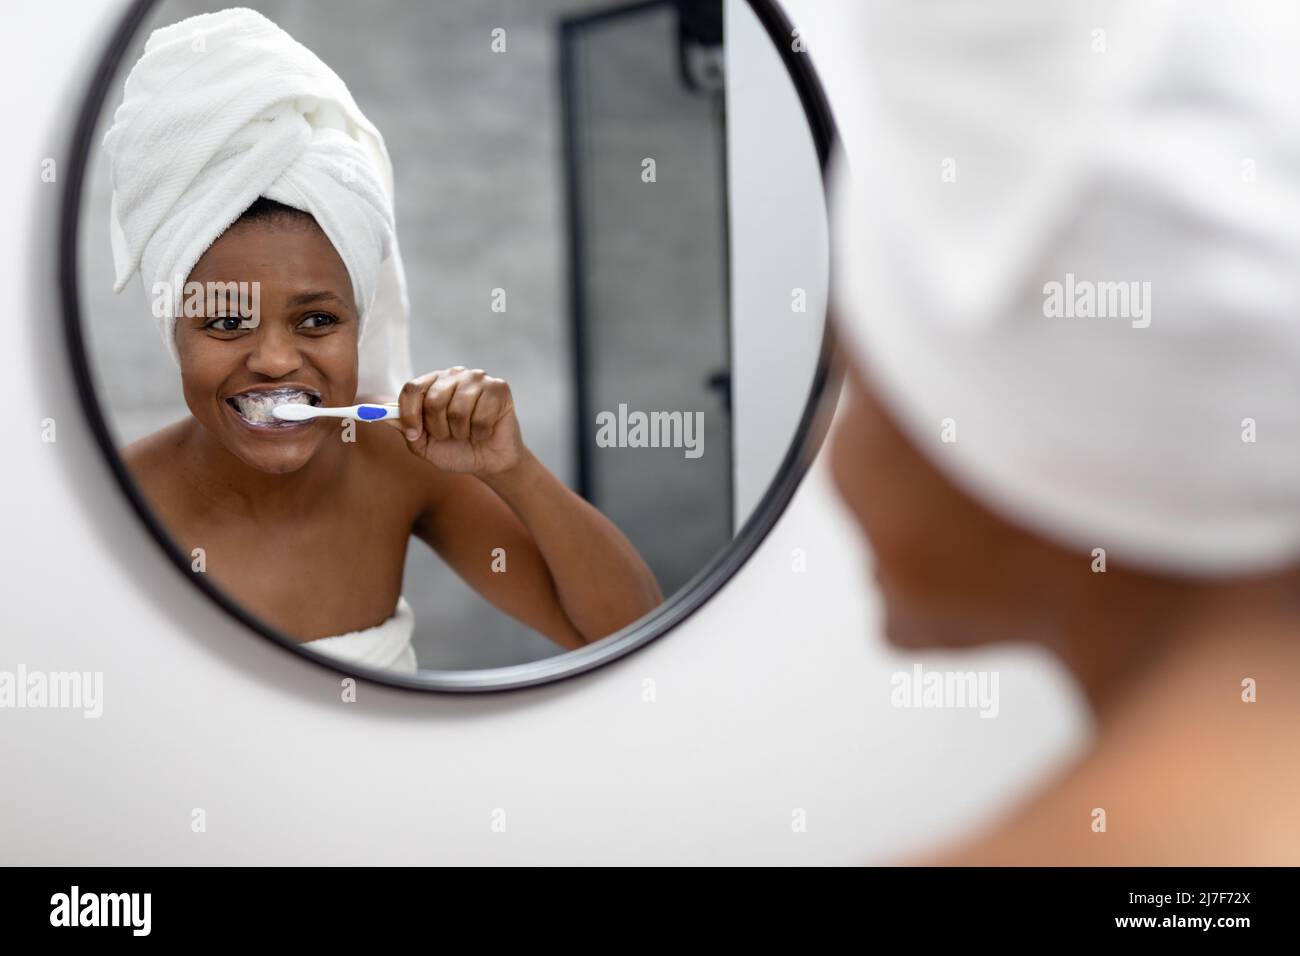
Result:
{"points": [[254, 406], [250, 410]]}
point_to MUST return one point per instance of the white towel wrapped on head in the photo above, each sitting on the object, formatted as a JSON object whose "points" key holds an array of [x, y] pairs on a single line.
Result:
{"points": [[1007, 154], [224, 108]]}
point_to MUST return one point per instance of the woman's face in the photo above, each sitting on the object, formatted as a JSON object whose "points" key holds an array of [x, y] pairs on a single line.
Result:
{"points": [[301, 346], [950, 572]]}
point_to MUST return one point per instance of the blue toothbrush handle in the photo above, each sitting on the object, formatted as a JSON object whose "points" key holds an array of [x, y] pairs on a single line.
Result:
{"points": [[377, 413]]}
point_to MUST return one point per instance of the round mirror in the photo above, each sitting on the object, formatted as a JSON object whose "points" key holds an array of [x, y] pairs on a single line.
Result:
{"points": [[459, 345]]}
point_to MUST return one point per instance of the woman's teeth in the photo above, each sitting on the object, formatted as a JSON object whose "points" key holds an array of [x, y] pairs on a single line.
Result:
{"points": [[255, 407]]}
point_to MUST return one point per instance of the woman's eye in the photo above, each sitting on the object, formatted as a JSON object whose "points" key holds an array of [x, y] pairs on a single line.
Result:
{"points": [[228, 323], [319, 320]]}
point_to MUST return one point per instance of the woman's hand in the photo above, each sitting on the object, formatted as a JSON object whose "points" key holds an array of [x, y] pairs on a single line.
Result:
{"points": [[461, 420], [573, 575]]}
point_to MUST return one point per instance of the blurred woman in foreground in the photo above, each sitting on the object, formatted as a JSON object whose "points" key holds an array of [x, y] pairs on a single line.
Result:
{"points": [[1068, 289]]}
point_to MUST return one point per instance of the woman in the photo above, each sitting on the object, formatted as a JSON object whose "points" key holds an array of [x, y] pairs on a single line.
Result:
{"points": [[302, 300], [1122, 485]]}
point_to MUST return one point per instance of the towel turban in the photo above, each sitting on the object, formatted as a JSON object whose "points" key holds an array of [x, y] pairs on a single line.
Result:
{"points": [[224, 108], [1014, 162]]}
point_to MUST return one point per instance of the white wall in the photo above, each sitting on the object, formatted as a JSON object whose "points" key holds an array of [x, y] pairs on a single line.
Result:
{"points": [[774, 697], [779, 238]]}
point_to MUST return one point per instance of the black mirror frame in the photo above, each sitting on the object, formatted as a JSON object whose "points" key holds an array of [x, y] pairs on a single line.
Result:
{"points": [[813, 424]]}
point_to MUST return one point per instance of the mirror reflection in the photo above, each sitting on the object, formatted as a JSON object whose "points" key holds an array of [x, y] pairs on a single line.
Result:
{"points": [[466, 345]]}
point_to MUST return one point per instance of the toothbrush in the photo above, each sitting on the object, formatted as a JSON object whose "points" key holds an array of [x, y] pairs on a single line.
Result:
{"points": [[292, 412]]}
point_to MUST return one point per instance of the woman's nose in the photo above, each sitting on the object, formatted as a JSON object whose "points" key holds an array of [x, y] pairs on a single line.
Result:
{"points": [[274, 352]]}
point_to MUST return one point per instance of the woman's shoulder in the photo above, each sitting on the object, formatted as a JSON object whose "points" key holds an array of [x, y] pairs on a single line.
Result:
{"points": [[387, 456], [1148, 791], [150, 459]]}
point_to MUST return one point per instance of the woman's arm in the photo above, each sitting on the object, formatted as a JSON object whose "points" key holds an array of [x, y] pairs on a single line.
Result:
{"points": [[508, 526]]}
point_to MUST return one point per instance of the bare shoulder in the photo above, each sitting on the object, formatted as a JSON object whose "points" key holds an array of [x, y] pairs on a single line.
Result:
{"points": [[1149, 797], [150, 460], [387, 456]]}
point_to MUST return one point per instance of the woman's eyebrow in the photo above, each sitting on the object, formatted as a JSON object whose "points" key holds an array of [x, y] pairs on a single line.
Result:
{"points": [[303, 298]]}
